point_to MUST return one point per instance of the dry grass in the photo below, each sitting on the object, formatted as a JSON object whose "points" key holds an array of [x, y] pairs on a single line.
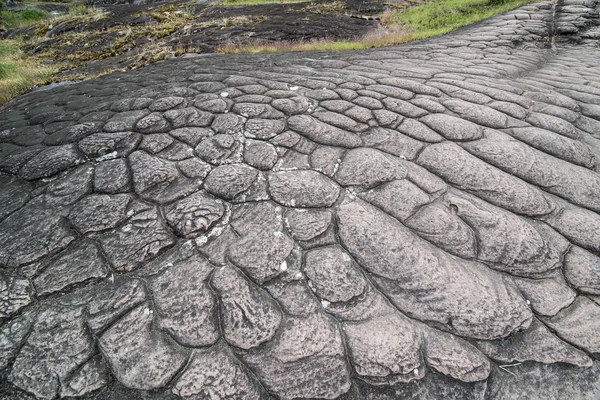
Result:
{"points": [[376, 38]]}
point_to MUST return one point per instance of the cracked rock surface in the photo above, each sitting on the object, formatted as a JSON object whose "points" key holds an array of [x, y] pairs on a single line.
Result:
{"points": [[420, 221]]}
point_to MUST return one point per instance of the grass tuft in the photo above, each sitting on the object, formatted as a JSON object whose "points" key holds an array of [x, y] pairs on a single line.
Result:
{"points": [[18, 74], [442, 16], [12, 20]]}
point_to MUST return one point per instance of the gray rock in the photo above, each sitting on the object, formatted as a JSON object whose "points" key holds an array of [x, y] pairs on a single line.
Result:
{"points": [[399, 198], [99, 212], [124, 121], [536, 343], [140, 239], [117, 144], [302, 189], [306, 360], [263, 129], [368, 167], [452, 128], [57, 345], [249, 316], [582, 270], [50, 162], [260, 155], [308, 224], [186, 307], [220, 149], [384, 247], [216, 373], [322, 133], [15, 293], [194, 215], [139, 357], [111, 176], [92, 376], [188, 117], [578, 324], [229, 181], [79, 263]]}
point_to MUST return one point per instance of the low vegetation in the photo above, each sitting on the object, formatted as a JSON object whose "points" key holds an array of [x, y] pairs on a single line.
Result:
{"points": [[403, 25], [258, 2], [18, 73]]}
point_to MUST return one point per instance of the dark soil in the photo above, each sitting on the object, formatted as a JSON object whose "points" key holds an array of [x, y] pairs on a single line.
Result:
{"points": [[135, 34]]}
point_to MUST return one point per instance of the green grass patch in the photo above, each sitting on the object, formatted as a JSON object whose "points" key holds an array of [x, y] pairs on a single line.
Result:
{"points": [[19, 74], [442, 16], [258, 2], [12, 19]]}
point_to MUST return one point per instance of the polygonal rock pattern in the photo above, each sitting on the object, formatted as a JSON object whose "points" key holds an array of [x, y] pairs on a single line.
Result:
{"points": [[415, 222]]}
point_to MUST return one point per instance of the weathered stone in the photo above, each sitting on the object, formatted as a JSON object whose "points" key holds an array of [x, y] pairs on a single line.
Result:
{"points": [[140, 239], [109, 145], [159, 180], [188, 117], [152, 123], [99, 212], [194, 214], [368, 167], [302, 189], [334, 276], [228, 124], [263, 129], [153, 143], [31, 233], [260, 155], [112, 300], [547, 295], [15, 293], [452, 128], [536, 343], [220, 149], [228, 181], [306, 360], [12, 336], [111, 176], [440, 226], [15, 193], [405, 268], [139, 357], [399, 198], [578, 324], [249, 316], [308, 224], [124, 121], [92, 376], [582, 270], [186, 307], [57, 345], [50, 162], [385, 349], [322, 133], [457, 166], [190, 135], [392, 142], [216, 373], [80, 262], [455, 357], [545, 382]]}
